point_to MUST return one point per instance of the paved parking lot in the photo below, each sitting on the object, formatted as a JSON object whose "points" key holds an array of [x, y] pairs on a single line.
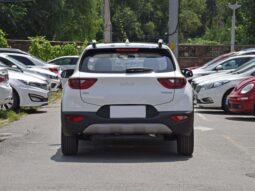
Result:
{"points": [[224, 157]]}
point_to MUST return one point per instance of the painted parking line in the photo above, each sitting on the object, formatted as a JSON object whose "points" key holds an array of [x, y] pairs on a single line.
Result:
{"points": [[202, 128], [202, 116]]}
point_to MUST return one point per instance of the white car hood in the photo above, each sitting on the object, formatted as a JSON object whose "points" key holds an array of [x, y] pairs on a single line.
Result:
{"points": [[230, 77], [25, 77], [43, 71], [211, 76]]}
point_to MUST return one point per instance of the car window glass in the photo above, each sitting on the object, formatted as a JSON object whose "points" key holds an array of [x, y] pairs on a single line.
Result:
{"points": [[24, 60], [6, 62], [118, 63], [66, 61], [74, 61], [56, 62], [229, 65]]}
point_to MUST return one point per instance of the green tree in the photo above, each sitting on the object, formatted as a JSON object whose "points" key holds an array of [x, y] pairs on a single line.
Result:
{"points": [[3, 40]]}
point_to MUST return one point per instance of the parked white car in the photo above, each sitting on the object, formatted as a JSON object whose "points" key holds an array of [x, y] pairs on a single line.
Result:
{"points": [[228, 64], [29, 60], [28, 91], [127, 88], [51, 77], [5, 88], [65, 62], [213, 93], [202, 79]]}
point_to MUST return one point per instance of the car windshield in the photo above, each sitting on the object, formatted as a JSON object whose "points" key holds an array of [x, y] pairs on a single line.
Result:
{"points": [[244, 67], [120, 62], [212, 62]]}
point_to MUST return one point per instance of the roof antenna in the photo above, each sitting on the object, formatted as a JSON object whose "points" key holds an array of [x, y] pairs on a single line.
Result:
{"points": [[160, 43], [127, 41], [94, 43]]}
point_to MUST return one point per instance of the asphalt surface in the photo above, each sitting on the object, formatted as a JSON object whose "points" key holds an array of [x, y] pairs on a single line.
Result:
{"points": [[224, 157]]}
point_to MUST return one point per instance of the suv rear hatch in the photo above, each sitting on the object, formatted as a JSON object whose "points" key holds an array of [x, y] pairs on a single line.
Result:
{"points": [[126, 77]]}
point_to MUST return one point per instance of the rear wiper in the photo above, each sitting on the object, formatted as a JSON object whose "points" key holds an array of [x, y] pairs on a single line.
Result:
{"points": [[139, 70]]}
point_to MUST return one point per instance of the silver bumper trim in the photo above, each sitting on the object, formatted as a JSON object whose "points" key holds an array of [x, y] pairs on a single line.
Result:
{"points": [[127, 129]]}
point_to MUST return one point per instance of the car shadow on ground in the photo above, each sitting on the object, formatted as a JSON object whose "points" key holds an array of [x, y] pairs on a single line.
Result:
{"points": [[32, 111], [211, 112], [122, 150], [244, 118]]}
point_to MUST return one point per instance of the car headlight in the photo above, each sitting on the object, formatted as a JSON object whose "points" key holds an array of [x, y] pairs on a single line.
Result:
{"points": [[247, 88], [35, 84], [214, 85]]}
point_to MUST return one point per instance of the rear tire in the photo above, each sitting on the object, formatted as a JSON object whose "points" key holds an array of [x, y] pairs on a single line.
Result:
{"points": [[185, 144], [69, 144]]}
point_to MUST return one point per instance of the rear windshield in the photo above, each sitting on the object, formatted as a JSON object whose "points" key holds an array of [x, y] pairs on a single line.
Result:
{"points": [[119, 60]]}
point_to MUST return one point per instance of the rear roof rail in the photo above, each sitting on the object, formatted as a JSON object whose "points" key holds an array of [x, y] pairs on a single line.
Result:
{"points": [[160, 43], [94, 43]]}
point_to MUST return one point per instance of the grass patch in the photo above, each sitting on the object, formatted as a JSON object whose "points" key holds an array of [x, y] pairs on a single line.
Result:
{"points": [[11, 116], [55, 96]]}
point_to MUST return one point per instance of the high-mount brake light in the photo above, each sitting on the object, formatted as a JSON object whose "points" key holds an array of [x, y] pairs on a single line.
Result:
{"points": [[173, 83], [81, 83], [127, 50]]}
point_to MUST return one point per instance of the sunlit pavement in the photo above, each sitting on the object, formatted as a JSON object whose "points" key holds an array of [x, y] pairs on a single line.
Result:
{"points": [[224, 157]]}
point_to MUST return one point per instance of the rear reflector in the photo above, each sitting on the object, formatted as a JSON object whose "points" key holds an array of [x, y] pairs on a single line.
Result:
{"points": [[55, 70], [81, 83], [173, 83], [75, 118], [178, 118]]}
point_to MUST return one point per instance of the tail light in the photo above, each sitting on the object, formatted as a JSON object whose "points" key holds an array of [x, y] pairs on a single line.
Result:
{"points": [[178, 118], [4, 78], [81, 83], [55, 70], [75, 118], [173, 83]]}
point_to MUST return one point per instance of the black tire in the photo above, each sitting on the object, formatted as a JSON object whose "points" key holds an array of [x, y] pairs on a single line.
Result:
{"points": [[185, 144], [69, 144], [14, 103], [224, 102]]}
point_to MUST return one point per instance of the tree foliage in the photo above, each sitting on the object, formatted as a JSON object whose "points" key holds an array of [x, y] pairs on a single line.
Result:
{"points": [[138, 20], [3, 40]]}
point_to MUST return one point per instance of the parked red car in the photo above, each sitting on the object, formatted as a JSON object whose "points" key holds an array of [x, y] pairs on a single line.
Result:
{"points": [[242, 98]]}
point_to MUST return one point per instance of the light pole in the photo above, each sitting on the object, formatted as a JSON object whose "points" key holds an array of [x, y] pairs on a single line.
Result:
{"points": [[234, 7], [173, 26], [107, 22]]}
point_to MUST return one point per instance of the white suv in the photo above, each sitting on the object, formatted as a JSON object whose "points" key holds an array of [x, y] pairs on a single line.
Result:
{"points": [[127, 88]]}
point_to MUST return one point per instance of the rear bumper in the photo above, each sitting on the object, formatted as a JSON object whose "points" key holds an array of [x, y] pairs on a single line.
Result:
{"points": [[156, 124]]}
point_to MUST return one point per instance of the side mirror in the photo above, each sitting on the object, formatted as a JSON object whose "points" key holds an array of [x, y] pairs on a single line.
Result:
{"points": [[187, 73], [219, 67], [16, 68], [67, 73]]}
